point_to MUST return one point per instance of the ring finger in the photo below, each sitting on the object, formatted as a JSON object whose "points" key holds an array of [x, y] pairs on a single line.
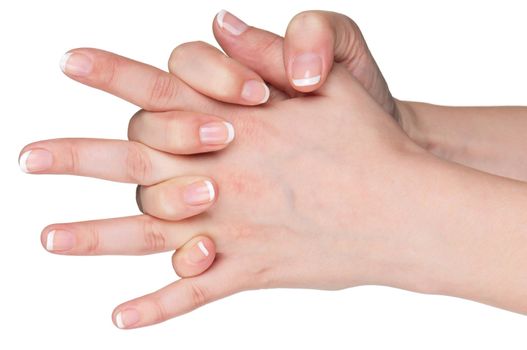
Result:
{"points": [[115, 160]]}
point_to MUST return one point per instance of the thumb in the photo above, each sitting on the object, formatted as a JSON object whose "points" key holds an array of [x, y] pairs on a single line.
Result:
{"points": [[313, 42], [316, 39]]}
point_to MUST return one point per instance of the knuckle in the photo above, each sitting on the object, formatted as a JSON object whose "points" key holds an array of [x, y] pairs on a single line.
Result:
{"points": [[109, 75], [162, 92], [198, 296], [272, 47], [182, 51], [256, 130], [92, 240], [160, 311], [261, 277], [173, 137], [138, 165], [132, 124], [153, 235], [72, 161], [163, 207]]}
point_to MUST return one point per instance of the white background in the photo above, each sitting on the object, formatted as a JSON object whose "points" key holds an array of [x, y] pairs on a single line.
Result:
{"points": [[447, 52]]}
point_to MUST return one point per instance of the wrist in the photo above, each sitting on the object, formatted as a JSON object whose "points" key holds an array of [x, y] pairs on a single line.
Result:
{"points": [[465, 235], [423, 124]]}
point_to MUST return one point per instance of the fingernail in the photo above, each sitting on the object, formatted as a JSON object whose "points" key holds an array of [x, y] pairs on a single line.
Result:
{"points": [[230, 23], [35, 160], [306, 69], [74, 63], [126, 318], [198, 253], [216, 133], [59, 240], [255, 91], [200, 192]]}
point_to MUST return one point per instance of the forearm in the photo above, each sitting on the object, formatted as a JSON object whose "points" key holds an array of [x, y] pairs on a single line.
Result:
{"points": [[476, 237], [491, 139]]}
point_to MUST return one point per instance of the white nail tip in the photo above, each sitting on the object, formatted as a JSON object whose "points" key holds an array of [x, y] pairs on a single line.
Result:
{"points": [[119, 320], [23, 161], [203, 249], [307, 81], [267, 93], [64, 60], [227, 26], [219, 18], [230, 132], [49, 240], [210, 188]]}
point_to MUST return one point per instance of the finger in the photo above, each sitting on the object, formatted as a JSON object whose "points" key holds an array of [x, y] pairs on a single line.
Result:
{"points": [[315, 37], [257, 49], [143, 85], [177, 298], [195, 257], [314, 40], [180, 132], [114, 160], [133, 235], [210, 72], [177, 198]]}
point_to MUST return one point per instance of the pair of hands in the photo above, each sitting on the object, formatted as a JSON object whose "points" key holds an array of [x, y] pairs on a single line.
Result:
{"points": [[314, 192]]}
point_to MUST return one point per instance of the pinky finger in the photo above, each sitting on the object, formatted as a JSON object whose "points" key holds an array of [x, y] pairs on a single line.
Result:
{"points": [[175, 299]]}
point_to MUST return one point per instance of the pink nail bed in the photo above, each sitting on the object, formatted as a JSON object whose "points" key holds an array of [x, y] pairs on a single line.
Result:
{"points": [[230, 23], [59, 240], [198, 253], [126, 318], [198, 193], [306, 69], [35, 160], [216, 133], [77, 64], [255, 91]]}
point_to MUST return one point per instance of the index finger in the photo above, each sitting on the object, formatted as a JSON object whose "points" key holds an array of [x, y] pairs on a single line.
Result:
{"points": [[141, 84]]}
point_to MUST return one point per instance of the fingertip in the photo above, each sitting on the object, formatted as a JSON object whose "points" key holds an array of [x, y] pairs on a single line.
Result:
{"points": [[195, 257], [125, 317], [229, 23], [255, 92], [308, 51], [58, 239], [76, 64], [44, 236]]}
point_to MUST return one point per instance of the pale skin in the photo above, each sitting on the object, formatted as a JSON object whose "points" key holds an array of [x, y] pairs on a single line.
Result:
{"points": [[294, 207]]}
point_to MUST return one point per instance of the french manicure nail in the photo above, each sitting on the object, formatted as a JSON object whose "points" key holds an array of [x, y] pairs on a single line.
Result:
{"points": [[255, 91], [59, 240], [198, 253], [126, 318], [216, 133], [35, 160], [198, 193], [230, 23], [306, 69], [77, 64]]}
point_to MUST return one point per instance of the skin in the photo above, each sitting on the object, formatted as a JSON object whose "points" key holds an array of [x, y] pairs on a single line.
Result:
{"points": [[490, 139], [276, 210]]}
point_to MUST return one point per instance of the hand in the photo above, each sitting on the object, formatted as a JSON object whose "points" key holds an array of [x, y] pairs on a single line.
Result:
{"points": [[365, 207], [485, 138], [419, 257], [298, 208], [133, 162], [158, 95]]}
